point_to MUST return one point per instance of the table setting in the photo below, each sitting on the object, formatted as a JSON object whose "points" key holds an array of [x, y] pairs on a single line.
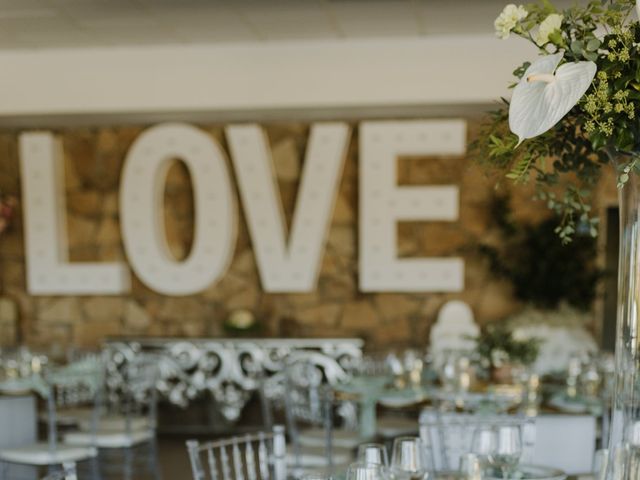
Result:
{"points": [[461, 385], [496, 457]]}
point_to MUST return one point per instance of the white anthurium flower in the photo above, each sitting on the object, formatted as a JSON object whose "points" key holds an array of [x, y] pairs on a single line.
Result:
{"points": [[638, 8], [546, 93]]}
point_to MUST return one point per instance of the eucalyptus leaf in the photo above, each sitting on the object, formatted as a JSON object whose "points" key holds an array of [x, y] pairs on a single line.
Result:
{"points": [[593, 44], [577, 46]]}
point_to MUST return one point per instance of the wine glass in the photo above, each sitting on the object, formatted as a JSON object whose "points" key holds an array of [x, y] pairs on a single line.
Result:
{"points": [[600, 460], [365, 471], [483, 443], [409, 460], [508, 449], [373, 453]]}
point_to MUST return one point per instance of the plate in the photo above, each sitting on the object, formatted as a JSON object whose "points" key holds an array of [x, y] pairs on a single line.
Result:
{"points": [[531, 472], [402, 398], [569, 405]]}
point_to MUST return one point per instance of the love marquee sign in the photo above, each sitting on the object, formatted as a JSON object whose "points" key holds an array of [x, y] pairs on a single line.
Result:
{"points": [[286, 262]]}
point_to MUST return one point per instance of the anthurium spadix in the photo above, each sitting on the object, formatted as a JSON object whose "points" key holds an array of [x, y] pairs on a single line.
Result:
{"points": [[546, 93]]}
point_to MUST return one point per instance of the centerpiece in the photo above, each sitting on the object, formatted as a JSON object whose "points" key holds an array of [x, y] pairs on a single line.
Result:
{"points": [[572, 113], [501, 352]]}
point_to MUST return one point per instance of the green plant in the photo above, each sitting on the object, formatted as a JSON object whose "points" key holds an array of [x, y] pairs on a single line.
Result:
{"points": [[563, 148], [543, 272]]}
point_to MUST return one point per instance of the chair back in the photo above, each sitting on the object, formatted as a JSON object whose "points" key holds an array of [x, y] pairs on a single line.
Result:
{"points": [[309, 402], [448, 435], [140, 395], [78, 384], [259, 456]]}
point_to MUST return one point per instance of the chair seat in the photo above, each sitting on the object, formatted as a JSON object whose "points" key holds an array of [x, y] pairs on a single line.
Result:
{"points": [[109, 439], [311, 456], [341, 438], [115, 423], [394, 426], [39, 454], [69, 417]]}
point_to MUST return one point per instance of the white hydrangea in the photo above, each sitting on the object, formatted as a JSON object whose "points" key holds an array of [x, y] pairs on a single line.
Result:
{"points": [[508, 20], [552, 23], [562, 334]]}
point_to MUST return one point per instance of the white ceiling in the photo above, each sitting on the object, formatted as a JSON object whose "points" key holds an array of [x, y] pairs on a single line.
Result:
{"points": [[82, 23]]}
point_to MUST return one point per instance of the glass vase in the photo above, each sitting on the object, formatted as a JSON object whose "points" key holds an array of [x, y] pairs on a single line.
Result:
{"points": [[624, 440]]}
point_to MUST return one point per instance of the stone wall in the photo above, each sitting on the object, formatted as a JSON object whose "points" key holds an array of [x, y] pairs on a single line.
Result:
{"points": [[93, 162]]}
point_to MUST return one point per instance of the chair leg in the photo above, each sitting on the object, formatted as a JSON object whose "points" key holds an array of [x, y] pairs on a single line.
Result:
{"points": [[95, 468], [128, 464], [154, 460]]}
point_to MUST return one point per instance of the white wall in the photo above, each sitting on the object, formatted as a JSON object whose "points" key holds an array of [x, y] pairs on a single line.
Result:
{"points": [[323, 75]]}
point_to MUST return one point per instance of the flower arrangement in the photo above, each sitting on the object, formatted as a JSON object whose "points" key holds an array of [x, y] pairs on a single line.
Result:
{"points": [[572, 107], [497, 346], [8, 204], [561, 335]]}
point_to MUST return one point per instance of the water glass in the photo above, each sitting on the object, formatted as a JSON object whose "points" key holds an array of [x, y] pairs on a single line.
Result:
{"points": [[470, 467], [365, 471], [409, 459], [483, 443], [375, 453], [508, 449]]}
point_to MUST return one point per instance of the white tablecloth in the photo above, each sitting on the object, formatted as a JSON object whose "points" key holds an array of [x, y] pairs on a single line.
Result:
{"points": [[18, 427], [566, 442]]}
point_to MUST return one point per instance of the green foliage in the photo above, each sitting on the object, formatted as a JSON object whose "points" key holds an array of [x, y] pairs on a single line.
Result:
{"points": [[543, 272], [565, 162], [497, 339]]}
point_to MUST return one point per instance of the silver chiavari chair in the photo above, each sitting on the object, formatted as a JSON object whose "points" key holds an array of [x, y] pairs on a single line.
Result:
{"points": [[259, 456], [311, 409], [125, 433], [76, 385]]}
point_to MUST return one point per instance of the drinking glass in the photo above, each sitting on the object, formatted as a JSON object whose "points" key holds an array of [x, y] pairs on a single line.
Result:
{"points": [[483, 443], [373, 453], [409, 460], [365, 471], [508, 449], [599, 467], [470, 467]]}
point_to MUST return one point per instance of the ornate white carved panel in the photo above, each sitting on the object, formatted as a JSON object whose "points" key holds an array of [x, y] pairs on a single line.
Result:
{"points": [[45, 228], [383, 204], [142, 202], [293, 265]]}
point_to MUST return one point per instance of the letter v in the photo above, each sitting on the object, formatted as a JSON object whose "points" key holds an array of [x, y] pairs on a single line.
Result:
{"points": [[293, 265]]}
